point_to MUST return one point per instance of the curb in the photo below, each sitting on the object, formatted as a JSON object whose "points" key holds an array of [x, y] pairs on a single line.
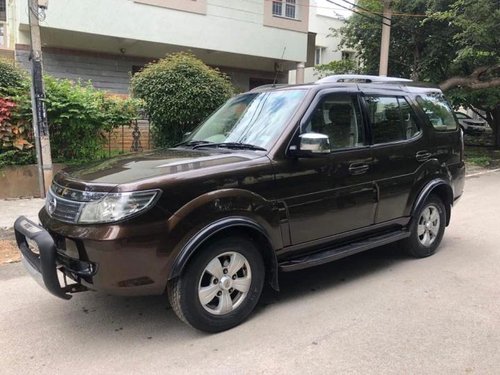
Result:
{"points": [[482, 173]]}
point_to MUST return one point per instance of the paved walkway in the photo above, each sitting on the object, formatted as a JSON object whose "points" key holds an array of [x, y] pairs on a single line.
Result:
{"points": [[10, 210]]}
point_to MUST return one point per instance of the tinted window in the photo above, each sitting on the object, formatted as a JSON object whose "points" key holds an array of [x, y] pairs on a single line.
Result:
{"points": [[392, 119], [339, 117], [437, 110]]}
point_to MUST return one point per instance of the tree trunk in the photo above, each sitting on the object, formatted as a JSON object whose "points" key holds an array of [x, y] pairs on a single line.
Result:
{"points": [[496, 125]]}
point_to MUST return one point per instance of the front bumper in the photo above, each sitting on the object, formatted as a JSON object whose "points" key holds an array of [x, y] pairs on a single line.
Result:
{"points": [[45, 262]]}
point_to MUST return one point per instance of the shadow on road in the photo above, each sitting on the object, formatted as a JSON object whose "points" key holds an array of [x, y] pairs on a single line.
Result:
{"points": [[151, 318], [295, 285]]}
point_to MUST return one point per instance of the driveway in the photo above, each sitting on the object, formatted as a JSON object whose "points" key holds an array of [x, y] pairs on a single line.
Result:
{"points": [[377, 312]]}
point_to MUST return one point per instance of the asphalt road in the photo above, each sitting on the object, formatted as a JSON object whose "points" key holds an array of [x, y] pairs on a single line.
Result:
{"points": [[378, 312]]}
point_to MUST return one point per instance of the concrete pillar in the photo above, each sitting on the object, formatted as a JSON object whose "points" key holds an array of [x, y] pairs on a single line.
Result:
{"points": [[299, 75]]}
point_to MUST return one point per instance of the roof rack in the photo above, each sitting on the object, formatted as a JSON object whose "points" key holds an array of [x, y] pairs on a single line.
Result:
{"points": [[359, 78], [269, 85]]}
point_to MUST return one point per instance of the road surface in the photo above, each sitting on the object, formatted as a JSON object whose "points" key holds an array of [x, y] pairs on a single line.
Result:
{"points": [[378, 312]]}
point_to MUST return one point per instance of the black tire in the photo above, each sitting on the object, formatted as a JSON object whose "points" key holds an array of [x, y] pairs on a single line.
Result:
{"points": [[415, 245], [183, 292]]}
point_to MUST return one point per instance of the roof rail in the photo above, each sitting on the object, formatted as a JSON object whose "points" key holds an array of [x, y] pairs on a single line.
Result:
{"points": [[269, 85], [359, 78]]}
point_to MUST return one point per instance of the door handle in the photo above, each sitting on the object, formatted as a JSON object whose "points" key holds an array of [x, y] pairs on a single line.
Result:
{"points": [[358, 168], [423, 155]]}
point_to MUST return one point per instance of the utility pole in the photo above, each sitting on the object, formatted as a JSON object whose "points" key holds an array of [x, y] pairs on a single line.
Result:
{"points": [[40, 123], [386, 36]]}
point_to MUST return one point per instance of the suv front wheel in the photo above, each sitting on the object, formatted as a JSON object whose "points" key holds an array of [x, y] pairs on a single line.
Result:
{"points": [[427, 228], [220, 286]]}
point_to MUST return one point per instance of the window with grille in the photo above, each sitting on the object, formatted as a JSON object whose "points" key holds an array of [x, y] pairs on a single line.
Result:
{"points": [[3, 11], [285, 8], [347, 55], [318, 56]]}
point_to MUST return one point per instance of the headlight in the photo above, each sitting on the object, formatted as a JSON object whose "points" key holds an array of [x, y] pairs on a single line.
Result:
{"points": [[116, 206]]}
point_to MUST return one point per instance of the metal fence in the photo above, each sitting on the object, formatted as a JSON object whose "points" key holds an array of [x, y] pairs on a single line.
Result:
{"points": [[135, 137]]}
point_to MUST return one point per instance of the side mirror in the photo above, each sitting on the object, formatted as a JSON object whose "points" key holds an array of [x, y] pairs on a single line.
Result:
{"points": [[312, 144]]}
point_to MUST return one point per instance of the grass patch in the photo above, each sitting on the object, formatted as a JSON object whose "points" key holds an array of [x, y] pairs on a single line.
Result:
{"points": [[484, 157], [481, 161]]}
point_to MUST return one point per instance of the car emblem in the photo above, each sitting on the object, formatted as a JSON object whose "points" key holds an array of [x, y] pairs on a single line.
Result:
{"points": [[52, 205]]}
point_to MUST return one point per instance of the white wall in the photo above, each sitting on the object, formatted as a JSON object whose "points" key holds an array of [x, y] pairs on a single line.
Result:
{"points": [[323, 16], [235, 26]]}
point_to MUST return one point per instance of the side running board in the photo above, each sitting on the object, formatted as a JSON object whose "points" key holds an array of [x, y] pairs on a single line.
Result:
{"points": [[333, 253]]}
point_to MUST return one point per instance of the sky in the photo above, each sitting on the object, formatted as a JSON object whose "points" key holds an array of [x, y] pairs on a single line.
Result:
{"points": [[324, 7]]}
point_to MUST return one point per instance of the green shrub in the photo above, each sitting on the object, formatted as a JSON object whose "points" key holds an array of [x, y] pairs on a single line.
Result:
{"points": [[16, 147], [13, 133], [13, 80], [78, 116], [17, 157], [179, 92]]}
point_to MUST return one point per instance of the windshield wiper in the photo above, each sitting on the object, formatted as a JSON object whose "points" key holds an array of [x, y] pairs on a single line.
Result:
{"points": [[191, 143], [235, 145]]}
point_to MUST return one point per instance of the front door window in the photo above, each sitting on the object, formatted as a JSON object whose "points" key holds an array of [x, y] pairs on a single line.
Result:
{"points": [[338, 117]]}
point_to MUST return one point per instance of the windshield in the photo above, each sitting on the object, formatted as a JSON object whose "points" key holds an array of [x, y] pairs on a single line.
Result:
{"points": [[252, 118], [461, 115]]}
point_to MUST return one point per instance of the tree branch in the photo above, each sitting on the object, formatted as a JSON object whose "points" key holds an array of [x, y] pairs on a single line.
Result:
{"points": [[478, 113], [474, 80]]}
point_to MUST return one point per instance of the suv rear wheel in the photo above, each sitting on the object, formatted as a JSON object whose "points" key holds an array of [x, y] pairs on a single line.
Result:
{"points": [[220, 286], [427, 228]]}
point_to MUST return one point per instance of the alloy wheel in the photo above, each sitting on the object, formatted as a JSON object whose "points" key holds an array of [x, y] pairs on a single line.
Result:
{"points": [[224, 283], [428, 225]]}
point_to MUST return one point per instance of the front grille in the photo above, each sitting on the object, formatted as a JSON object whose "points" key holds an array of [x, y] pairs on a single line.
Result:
{"points": [[62, 209]]}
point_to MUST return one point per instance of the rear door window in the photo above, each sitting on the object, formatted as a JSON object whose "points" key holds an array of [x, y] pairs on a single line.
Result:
{"points": [[437, 110], [391, 118]]}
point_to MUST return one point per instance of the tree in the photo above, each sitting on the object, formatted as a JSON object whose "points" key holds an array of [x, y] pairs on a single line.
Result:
{"points": [[419, 48], [475, 79], [346, 66], [451, 42], [179, 92]]}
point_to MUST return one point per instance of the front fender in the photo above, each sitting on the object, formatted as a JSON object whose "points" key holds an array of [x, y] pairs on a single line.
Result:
{"points": [[210, 213], [189, 249]]}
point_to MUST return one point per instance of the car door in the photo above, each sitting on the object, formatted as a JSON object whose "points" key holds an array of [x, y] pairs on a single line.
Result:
{"points": [[398, 147], [332, 193]]}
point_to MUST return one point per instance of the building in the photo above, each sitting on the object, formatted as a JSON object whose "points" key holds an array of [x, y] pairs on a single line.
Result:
{"points": [[6, 42], [105, 41], [323, 18]]}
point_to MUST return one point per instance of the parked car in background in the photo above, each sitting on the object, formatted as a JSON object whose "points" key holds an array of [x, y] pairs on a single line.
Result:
{"points": [[278, 179], [471, 126]]}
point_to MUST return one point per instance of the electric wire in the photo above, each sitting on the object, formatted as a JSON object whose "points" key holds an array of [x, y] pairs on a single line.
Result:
{"points": [[339, 8], [360, 8], [41, 14], [361, 14]]}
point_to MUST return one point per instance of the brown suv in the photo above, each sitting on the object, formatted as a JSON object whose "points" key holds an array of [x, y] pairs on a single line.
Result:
{"points": [[278, 179]]}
